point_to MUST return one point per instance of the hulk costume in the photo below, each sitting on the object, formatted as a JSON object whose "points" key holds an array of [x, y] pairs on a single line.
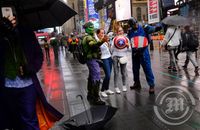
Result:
{"points": [[92, 54]]}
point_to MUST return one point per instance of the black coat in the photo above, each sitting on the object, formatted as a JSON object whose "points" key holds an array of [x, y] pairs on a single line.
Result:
{"points": [[34, 57], [188, 41]]}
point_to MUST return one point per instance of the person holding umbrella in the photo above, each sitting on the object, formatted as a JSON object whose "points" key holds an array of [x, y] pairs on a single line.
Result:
{"points": [[172, 40], [23, 104]]}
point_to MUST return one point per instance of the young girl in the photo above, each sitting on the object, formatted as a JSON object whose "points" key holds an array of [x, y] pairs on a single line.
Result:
{"points": [[119, 53]]}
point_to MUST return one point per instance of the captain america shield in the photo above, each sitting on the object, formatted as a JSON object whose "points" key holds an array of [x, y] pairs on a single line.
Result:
{"points": [[120, 42]]}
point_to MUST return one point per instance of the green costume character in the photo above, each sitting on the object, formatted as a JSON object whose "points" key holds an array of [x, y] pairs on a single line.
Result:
{"points": [[92, 53]]}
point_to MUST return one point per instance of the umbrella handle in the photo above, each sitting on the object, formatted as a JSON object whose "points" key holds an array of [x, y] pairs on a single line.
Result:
{"points": [[81, 97]]}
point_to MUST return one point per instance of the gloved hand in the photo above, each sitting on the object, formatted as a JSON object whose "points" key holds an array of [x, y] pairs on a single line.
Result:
{"points": [[158, 27]]}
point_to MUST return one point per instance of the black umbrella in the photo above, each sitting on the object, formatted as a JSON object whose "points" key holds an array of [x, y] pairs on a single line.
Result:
{"points": [[92, 119], [39, 14]]}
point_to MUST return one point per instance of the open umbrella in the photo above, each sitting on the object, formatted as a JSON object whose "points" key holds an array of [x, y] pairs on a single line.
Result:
{"points": [[176, 20], [92, 119], [39, 14]]}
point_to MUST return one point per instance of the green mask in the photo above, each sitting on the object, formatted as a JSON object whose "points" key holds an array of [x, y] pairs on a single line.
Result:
{"points": [[90, 30]]}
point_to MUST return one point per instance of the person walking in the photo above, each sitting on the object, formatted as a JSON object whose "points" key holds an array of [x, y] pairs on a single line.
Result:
{"points": [[47, 48], [190, 45], [55, 44], [172, 40], [107, 63], [119, 53]]}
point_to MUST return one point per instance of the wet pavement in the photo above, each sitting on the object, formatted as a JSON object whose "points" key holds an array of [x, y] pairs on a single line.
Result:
{"points": [[64, 79]]}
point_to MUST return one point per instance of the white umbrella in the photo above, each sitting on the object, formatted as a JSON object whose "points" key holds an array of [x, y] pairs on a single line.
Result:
{"points": [[176, 20]]}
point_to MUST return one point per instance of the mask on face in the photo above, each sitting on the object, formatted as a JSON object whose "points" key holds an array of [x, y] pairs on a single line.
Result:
{"points": [[132, 23], [89, 28]]}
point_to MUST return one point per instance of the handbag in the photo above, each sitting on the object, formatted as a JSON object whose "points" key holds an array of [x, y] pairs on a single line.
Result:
{"points": [[166, 46], [123, 60]]}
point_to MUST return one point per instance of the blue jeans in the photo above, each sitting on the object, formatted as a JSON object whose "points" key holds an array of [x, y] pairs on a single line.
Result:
{"points": [[107, 67], [117, 68], [18, 108], [142, 58]]}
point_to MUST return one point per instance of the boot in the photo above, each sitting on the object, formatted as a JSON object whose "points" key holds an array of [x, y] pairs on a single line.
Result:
{"points": [[136, 85], [95, 93], [89, 88], [151, 90]]}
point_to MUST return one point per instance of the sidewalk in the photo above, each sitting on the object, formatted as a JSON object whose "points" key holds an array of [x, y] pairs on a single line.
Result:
{"points": [[135, 108]]}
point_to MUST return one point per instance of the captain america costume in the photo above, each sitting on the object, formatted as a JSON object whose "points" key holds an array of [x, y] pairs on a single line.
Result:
{"points": [[140, 55]]}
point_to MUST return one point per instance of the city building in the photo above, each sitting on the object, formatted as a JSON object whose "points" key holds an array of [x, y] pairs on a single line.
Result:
{"points": [[71, 24], [139, 10]]}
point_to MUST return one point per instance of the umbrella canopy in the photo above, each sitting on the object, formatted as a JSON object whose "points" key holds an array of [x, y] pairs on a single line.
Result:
{"points": [[176, 20], [92, 119], [39, 14]]}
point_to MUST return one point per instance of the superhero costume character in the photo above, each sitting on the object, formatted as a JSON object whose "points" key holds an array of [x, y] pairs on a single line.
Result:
{"points": [[139, 37], [91, 49]]}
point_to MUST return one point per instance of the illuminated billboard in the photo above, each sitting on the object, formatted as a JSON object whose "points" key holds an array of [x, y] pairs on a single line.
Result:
{"points": [[93, 16]]}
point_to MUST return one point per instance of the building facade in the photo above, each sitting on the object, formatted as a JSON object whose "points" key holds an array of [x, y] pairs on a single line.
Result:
{"points": [[139, 10], [71, 24]]}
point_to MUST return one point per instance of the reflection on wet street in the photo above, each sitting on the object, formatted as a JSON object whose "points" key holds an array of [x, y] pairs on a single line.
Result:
{"points": [[64, 79]]}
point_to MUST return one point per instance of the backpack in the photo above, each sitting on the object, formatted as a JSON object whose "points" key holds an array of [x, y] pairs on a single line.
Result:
{"points": [[193, 41], [80, 53]]}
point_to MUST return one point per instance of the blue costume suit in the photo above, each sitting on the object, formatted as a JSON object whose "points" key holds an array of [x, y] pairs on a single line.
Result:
{"points": [[142, 56]]}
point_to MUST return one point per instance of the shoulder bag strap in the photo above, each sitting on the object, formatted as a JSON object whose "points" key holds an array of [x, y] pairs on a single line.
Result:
{"points": [[171, 36]]}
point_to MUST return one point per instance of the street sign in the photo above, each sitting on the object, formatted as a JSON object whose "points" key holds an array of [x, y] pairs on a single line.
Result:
{"points": [[153, 11]]}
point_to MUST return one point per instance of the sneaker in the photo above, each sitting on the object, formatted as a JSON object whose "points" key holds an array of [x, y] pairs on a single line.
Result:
{"points": [[184, 67], [109, 92], [124, 89], [103, 94], [117, 90], [196, 69]]}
